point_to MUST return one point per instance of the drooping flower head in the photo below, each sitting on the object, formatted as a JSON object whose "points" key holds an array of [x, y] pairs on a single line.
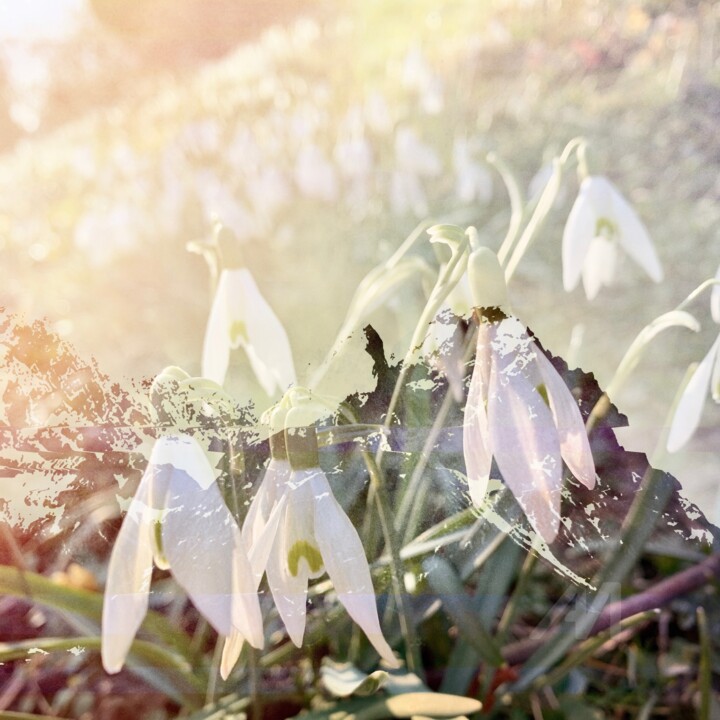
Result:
{"points": [[600, 222], [178, 519], [311, 535], [706, 377], [241, 317], [519, 410]]}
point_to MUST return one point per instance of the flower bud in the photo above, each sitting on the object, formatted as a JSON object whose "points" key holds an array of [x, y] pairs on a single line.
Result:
{"points": [[487, 280], [449, 234]]}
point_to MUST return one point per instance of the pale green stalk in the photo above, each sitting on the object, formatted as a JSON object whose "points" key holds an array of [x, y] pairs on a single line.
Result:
{"points": [[675, 318], [545, 204], [449, 277], [407, 626], [633, 355], [411, 503], [379, 492], [516, 205], [542, 209]]}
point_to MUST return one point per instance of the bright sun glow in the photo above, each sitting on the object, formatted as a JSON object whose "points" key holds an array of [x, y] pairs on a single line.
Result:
{"points": [[37, 18]]}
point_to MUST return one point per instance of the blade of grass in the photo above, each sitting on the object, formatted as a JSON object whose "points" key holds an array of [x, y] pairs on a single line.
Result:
{"points": [[88, 605], [445, 581]]}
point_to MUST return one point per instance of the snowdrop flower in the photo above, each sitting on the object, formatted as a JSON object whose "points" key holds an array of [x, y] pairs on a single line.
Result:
{"points": [[419, 77], [178, 519], [472, 180], [706, 377], [599, 221], [220, 203], [354, 158], [314, 174], [241, 317], [413, 161], [268, 191], [519, 410], [312, 535], [715, 299], [377, 114]]}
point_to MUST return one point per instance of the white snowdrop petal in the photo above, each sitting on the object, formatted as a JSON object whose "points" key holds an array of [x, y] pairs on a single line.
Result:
{"points": [[267, 346], [216, 345], [634, 237], [198, 535], [526, 447], [295, 557], [689, 408], [476, 448], [128, 580], [577, 235], [574, 443], [346, 564]]}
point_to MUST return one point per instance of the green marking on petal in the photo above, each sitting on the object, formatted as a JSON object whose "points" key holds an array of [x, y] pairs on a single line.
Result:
{"points": [[158, 553], [542, 390], [238, 332], [303, 549], [605, 228]]}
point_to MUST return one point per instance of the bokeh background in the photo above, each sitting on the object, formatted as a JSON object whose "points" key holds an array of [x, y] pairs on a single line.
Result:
{"points": [[320, 133]]}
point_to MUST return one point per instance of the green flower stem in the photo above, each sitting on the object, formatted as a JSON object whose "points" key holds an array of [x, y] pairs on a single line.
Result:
{"points": [[631, 358], [543, 207], [545, 204], [407, 626], [214, 673], [518, 594], [411, 504], [142, 649], [710, 282], [449, 277], [516, 205], [674, 318]]}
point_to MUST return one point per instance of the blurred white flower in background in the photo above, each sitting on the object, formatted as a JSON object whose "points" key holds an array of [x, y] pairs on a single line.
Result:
{"points": [[315, 175], [601, 220], [219, 202], [268, 191], [354, 157], [202, 136], [473, 181], [418, 76], [377, 114], [414, 160]]}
